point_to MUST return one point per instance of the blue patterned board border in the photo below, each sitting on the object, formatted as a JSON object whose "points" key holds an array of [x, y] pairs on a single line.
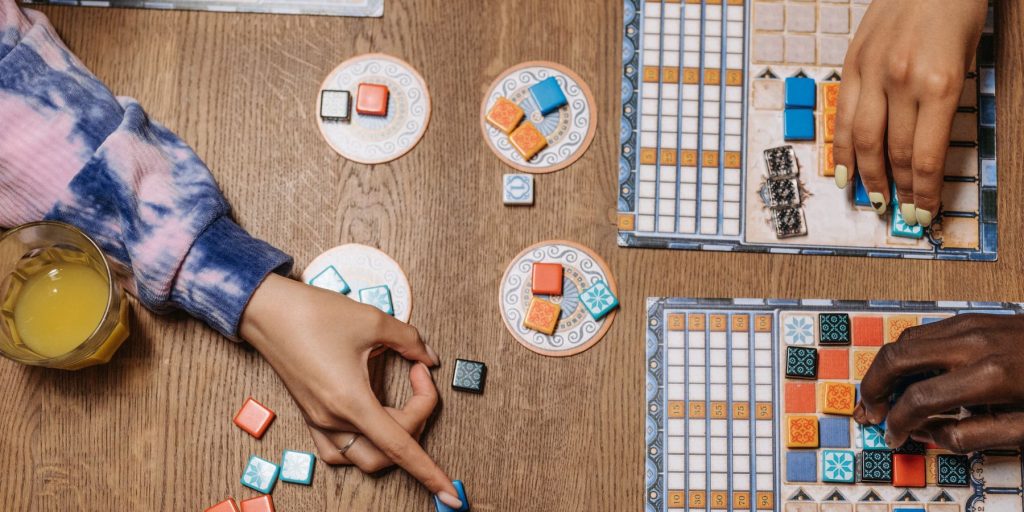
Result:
{"points": [[655, 378], [629, 157], [366, 8]]}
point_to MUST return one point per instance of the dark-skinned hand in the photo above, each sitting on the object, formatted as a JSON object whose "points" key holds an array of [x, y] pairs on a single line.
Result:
{"points": [[975, 361]]}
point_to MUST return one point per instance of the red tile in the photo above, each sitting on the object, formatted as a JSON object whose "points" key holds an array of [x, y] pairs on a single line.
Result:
{"points": [[908, 470], [867, 331], [801, 397], [227, 505], [834, 363], [372, 100], [547, 278], [254, 418], [258, 504]]}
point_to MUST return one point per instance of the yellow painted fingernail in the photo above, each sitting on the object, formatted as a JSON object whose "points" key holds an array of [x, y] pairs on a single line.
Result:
{"points": [[842, 176], [877, 202], [924, 217], [909, 213]]}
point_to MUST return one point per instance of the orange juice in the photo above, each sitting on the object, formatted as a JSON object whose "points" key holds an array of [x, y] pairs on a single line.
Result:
{"points": [[59, 307]]}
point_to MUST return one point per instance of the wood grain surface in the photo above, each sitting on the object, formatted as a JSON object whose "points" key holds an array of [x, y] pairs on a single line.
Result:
{"points": [[152, 430]]}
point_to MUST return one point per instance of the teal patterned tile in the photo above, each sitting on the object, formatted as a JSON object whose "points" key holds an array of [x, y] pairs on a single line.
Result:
{"points": [[378, 297], [599, 300], [330, 279], [872, 437], [801, 363], [838, 466], [901, 229], [469, 376], [876, 466], [834, 328], [954, 470], [297, 467], [260, 475]]}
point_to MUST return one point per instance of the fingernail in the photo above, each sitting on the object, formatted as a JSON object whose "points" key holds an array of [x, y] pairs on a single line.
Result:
{"points": [[924, 217], [842, 176], [449, 500], [890, 442], [909, 213], [877, 202], [433, 355]]}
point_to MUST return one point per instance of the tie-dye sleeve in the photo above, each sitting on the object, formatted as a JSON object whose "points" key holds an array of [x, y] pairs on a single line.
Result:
{"points": [[71, 151]]}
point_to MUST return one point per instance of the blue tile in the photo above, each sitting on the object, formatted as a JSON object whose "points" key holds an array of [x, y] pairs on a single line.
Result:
{"points": [[260, 475], [860, 193], [441, 507], [834, 432], [297, 467], [330, 279], [378, 297], [799, 124], [802, 466], [990, 234], [599, 300], [872, 437], [899, 227], [931, 320], [548, 95], [987, 110], [800, 93], [909, 509]]}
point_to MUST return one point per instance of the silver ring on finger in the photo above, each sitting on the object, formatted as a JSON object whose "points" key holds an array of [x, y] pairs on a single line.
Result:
{"points": [[343, 449]]}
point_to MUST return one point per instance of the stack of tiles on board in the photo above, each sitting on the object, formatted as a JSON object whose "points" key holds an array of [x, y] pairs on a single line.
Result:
{"points": [[749, 407], [705, 95]]}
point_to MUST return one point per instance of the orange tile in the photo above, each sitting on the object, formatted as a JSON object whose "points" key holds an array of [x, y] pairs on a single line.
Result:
{"points": [[896, 324], [765, 500], [227, 505], [528, 140], [719, 410], [828, 161], [505, 115], [547, 279], [834, 363], [801, 431], [908, 470], [867, 331], [763, 410], [740, 322], [718, 323], [697, 410], [676, 499], [741, 500], [696, 321], [763, 323], [740, 411], [676, 409], [801, 397], [838, 398], [258, 504], [862, 360], [676, 322], [372, 100], [542, 316], [830, 96], [254, 418], [719, 500]]}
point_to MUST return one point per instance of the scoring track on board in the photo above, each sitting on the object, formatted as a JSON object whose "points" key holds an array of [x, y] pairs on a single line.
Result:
{"points": [[370, 139], [363, 266], [569, 130], [577, 331]]}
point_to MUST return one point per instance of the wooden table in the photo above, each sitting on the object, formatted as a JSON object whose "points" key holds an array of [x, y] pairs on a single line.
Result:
{"points": [[152, 430]]}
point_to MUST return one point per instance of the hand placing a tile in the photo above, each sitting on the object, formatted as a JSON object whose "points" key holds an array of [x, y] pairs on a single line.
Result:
{"points": [[319, 342], [902, 79], [972, 361]]}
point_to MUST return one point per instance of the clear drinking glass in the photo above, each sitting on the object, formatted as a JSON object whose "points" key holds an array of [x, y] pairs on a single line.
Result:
{"points": [[40, 247]]}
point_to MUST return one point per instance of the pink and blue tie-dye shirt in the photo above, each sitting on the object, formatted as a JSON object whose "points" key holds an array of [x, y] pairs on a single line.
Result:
{"points": [[72, 151]]}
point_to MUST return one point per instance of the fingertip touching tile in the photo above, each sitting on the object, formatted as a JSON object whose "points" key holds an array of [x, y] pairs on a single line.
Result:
{"points": [[260, 474], [834, 432], [528, 140], [469, 376], [862, 360], [258, 504], [896, 324], [834, 363], [801, 397], [872, 437], [254, 418], [802, 467], [800, 93], [547, 278], [798, 124], [953, 470], [330, 279], [899, 227], [876, 466], [461, 490], [911, 447], [838, 466], [227, 505], [801, 363], [548, 95], [505, 115], [599, 300], [372, 100], [542, 316], [378, 297], [335, 105], [867, 331], [838, 398], [908, 470], [517, 189], [801, 431], [828, 160], [297, 467]]}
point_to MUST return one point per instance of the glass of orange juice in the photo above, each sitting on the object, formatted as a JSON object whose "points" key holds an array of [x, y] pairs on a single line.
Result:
{"points": [[60, 305]]}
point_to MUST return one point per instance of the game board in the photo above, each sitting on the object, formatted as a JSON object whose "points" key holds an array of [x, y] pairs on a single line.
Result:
{"points": [[719, 401], [577, 330], [371, 139], [362, 8], [703, 98], [361, 267], [569, 130]]}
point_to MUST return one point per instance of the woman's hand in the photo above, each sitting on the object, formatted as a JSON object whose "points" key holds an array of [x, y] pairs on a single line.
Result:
{"points": [[320, 342], [978, 361], [902, 80]]}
